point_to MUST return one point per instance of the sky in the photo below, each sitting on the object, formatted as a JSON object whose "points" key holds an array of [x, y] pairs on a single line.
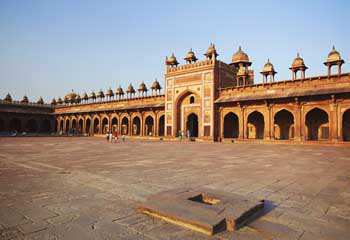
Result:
{"points": [[48, 48]]}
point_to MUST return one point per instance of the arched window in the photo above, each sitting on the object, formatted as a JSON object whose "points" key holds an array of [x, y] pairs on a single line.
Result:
{"points": [[191, 99]]}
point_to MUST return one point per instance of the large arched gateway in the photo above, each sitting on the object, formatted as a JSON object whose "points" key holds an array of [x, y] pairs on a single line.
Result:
{"points": [[149, 126]]}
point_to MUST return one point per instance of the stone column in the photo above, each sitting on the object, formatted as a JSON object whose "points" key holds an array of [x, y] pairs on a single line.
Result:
{"points": [[333, 120], [242, 124], [267, 124], [155, 125]]}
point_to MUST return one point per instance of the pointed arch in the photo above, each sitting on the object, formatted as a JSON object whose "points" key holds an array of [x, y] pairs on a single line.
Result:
{"points": [[256, 125], [317, 123], [284, 125], [231, 125]]}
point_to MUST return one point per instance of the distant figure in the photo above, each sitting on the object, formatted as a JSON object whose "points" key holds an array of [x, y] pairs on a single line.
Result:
{"points": [[107, 137], [188, 134], [123, 138]]}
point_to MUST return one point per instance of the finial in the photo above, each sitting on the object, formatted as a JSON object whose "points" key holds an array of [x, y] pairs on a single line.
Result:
{"points": [[298, 55], [268, 60], [239, 48]]}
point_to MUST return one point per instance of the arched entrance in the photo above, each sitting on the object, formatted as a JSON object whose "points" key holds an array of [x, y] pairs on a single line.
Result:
{"points": [[284, 125], [317, 124], [125, 126], [80, 126], [192, 125], [256, 125], [67, 126], [187, 102], [346, 125], [32, 126], [114, 124], [45, 126], [105, 127], [2, 125], [61, 126], [136, 123], [161, 127], [88, 126], [74, 126], [96, 126], [15, 125], [149, 124], [231, 127]]}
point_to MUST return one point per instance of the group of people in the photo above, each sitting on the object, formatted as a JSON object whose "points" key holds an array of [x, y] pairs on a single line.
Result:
{"points": [[114, 137]]}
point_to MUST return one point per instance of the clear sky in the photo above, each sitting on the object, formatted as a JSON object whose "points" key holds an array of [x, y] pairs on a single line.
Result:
{"points": [[48, 48]]}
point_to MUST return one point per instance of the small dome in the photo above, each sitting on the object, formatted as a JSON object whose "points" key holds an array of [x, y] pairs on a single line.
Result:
{"points": [[40, 101], [110, 92], [171, 61], [59, 100], [190, 57], [92, 95], [298, 62], [240, 56], [143, 87], [53, 102], [268, 67], [70, 96], [334, 56], [119, 91], [100, 94], [211, 51], [130, 89], [85, 96], [8, 98], [25, 99], [156, 85]]}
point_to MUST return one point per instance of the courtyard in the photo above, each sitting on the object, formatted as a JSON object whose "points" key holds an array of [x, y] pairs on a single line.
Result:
{"points": [[87, 188]]}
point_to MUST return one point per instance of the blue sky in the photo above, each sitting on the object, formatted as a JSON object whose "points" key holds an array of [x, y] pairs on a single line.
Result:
{"points": [[48, 48]]}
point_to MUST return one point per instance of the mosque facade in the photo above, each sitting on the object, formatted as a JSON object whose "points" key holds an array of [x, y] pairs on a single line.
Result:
{"points": [[207, 100]]}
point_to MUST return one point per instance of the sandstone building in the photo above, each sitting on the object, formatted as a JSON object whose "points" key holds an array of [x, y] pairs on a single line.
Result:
{"points": [[209, 99]]}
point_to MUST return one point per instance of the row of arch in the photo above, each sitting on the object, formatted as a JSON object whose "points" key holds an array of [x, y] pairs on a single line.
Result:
{"points": [[126, 126], [31, 125], [316, 122]]}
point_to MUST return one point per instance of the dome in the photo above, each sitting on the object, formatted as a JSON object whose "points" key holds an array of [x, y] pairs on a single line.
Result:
{"points": [[109, 92], [40, 101], [59, 100], [190, 57], [92, 95], [172, 61], [268, 67], [119, 91], [70, 96], [298, 62], [130, 89], [211, 51], [25, 99], [142, 87], [240, 56], [334, 56], [100, 94], [53, 102], [8, 98], [85, 96], [156, 85]]}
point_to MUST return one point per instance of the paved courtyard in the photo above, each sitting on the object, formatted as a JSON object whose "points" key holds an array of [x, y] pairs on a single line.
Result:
{"points": [[86, 188]]}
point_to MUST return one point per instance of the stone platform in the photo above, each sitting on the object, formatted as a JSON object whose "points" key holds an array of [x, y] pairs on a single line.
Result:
{"points": [[202, 210]]}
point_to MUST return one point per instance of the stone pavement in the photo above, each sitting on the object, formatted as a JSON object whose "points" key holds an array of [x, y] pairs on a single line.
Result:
{"points": [[86, 188]]}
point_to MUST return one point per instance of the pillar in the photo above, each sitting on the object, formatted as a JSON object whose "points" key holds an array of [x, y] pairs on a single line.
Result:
{"points": [[242, 124], [333, 121]]}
